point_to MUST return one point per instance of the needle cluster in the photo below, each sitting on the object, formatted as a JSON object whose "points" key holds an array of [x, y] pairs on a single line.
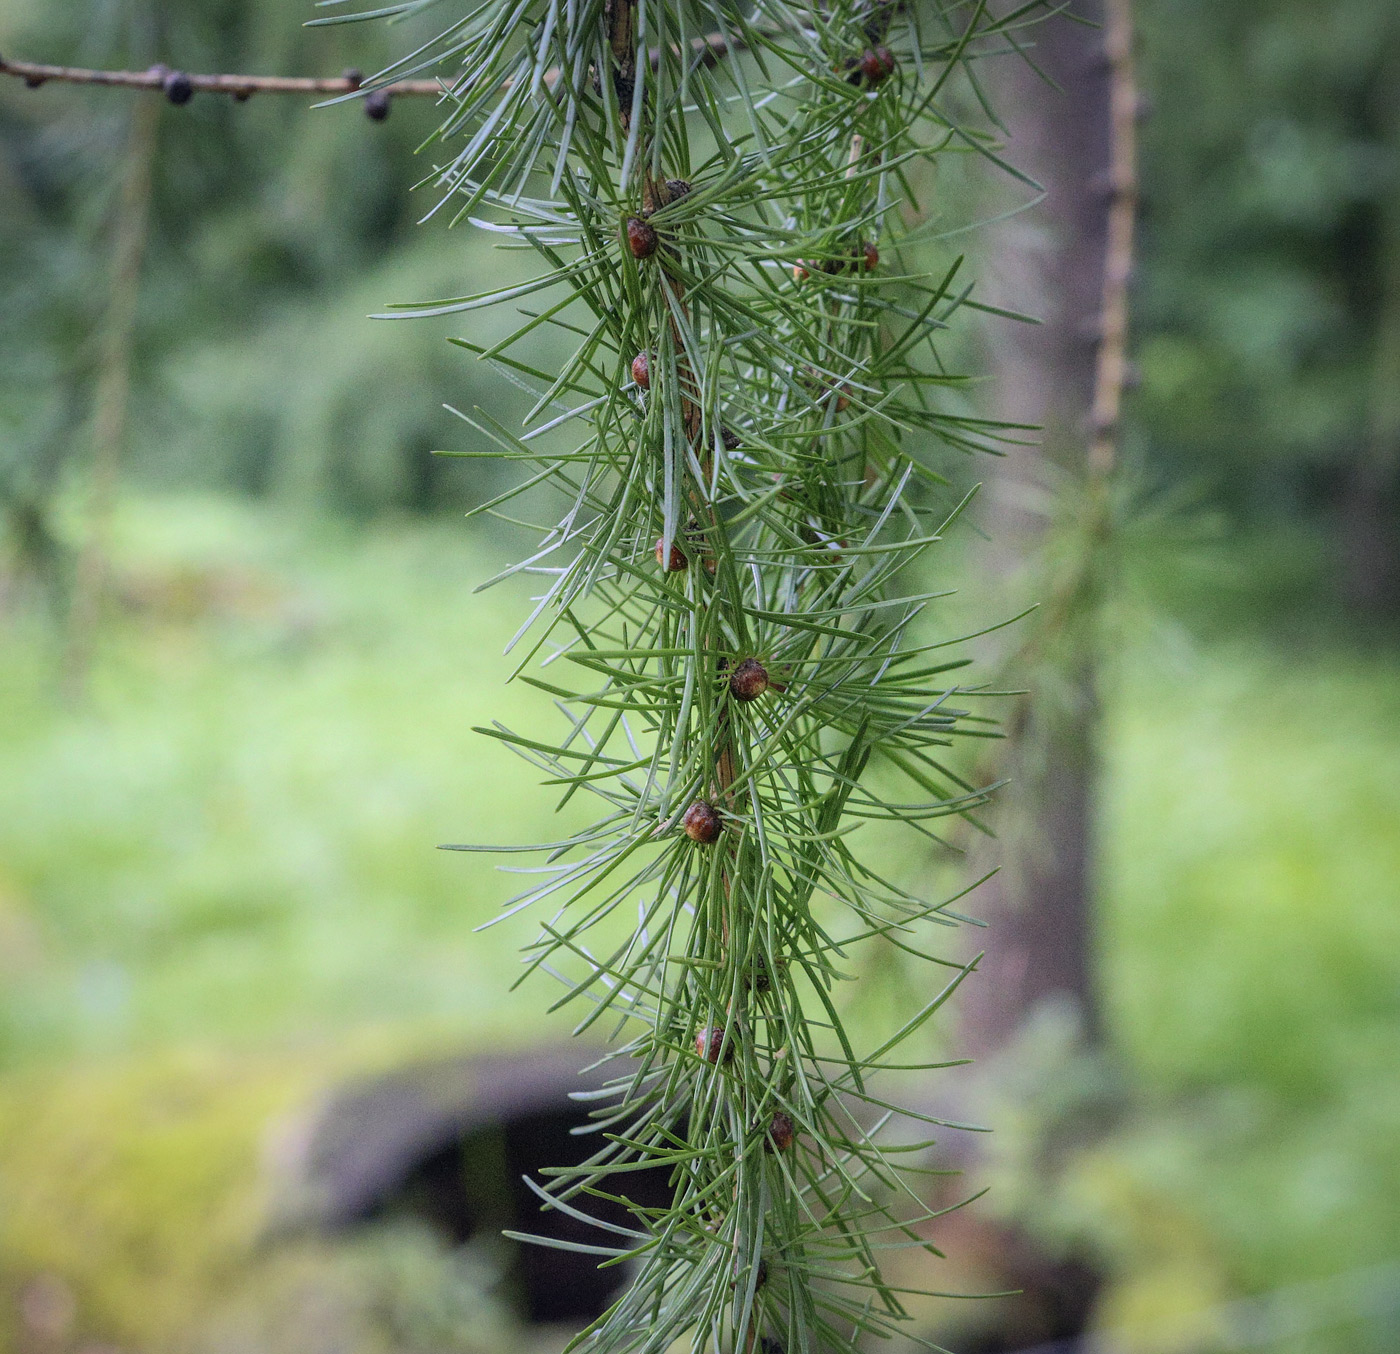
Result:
{"points": [[717, 196]]}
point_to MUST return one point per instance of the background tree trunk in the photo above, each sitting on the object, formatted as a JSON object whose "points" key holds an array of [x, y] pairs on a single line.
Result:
{"points": [[1052, 259], [1370, 525]]}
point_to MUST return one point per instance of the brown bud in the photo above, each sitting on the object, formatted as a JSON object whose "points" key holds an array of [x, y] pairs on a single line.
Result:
{"points": [[869, 256], [641, 370], [377, 105], [34, 82], [710, 1044], [641, 238], [178, 88], [748, 681], [781, 1132], [877, 64], [701, 822], [673, 562], [800, 271], [760, 1276], [353, 78], [677, 189], [242, 95]]}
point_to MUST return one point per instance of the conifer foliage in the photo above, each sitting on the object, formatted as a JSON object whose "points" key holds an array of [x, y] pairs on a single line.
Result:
{"points": [[716, 194]]}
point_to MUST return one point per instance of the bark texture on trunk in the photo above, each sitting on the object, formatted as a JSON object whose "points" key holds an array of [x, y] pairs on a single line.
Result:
{"points": [[1051, 259], [1370, 528]]}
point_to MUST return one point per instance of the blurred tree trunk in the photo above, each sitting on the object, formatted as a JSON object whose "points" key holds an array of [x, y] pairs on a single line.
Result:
{"points": [[1371, 506], [1052, 258], [1048, 505], [113, 389]]}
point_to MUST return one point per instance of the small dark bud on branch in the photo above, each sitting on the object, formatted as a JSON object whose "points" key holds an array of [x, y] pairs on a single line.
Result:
{"points": [[701, 823], [748, 681], [674, 560], [641, 238], [676, 189], [710, 1044], [377, 105], [781, 1132], [760, 1276], [178, 88], [869, 256], [877, 65], [353, 77], [641, 370]]}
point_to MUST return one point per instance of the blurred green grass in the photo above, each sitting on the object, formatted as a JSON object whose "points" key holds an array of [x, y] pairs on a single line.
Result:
{"points": [[1251, 949], [235, 839], [227, 855]]}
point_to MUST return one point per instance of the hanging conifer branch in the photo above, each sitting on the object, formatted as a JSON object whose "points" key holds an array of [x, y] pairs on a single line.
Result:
{"points": [[743, 439]]}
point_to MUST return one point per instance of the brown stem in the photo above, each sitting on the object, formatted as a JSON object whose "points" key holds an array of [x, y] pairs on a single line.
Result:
{"points": [[712, 46], [35, 73], [1111, 369], [1111, 366]]}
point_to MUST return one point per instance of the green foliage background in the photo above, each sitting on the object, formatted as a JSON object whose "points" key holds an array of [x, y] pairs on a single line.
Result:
{"points": [[217, 888]]}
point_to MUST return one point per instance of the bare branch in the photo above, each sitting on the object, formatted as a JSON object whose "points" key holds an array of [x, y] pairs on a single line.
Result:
{"points": [[34, 74], [1111, 373], [159, 78]]}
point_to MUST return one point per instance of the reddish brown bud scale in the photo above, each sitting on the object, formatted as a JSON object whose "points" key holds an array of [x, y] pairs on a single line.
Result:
{"points": [[869, 256], [710, 1044], [748, 681], [799, 271], [641, 370], [760, 1273], [672, 561], [701, 823], [781, 1132], [641, 238], [877, 64]]}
